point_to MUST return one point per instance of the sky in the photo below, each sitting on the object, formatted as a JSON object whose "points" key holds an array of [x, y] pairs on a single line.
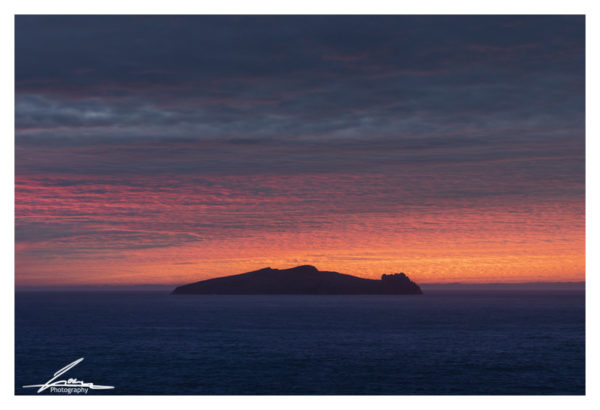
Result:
{"points": [[171, 149]]}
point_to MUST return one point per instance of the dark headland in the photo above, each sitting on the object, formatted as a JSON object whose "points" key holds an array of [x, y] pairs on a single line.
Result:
{"points": [[301, 280]]}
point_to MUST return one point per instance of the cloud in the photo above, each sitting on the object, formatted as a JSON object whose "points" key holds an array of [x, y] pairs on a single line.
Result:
{"points": [[161, 138]]}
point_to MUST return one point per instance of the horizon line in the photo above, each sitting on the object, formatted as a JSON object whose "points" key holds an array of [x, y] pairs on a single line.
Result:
{"points": [[160, 286]]}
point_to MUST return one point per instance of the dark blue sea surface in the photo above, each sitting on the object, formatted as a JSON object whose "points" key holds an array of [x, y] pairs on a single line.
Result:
{"points": [[452, 342]]}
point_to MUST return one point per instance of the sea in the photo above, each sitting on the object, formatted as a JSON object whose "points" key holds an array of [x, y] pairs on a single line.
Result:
{"points": [[472, 342]]}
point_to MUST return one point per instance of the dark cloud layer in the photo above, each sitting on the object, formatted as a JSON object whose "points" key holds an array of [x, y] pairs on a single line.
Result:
{"points": [[388, 81]]}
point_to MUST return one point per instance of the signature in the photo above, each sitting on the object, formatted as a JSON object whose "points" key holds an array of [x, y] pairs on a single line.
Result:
{"points": [[62, 386]]}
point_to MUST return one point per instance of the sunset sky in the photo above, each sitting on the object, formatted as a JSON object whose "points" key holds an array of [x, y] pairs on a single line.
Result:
{"points": [[170, 149]]}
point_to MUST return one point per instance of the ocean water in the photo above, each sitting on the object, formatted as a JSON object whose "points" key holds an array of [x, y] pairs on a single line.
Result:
{"points": [[440, 343]]}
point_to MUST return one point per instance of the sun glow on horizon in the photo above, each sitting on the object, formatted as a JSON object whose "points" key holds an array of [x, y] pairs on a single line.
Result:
{"points": [[140, 236]]}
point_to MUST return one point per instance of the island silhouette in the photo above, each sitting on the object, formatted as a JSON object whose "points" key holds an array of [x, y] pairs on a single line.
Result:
{"points": [[301, 280]]}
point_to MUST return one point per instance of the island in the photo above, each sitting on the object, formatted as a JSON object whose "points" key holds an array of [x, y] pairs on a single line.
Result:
{"points": [[301, 280]]}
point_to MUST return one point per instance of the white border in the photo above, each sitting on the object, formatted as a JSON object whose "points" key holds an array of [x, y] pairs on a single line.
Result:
{"points": [[9, 8]]}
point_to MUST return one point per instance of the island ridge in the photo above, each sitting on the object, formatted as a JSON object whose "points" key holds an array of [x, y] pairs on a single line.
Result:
{"points": [[301, 280]]}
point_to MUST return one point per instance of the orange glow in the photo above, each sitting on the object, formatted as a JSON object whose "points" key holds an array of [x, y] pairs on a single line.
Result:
{"points": [[124, 234]]}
